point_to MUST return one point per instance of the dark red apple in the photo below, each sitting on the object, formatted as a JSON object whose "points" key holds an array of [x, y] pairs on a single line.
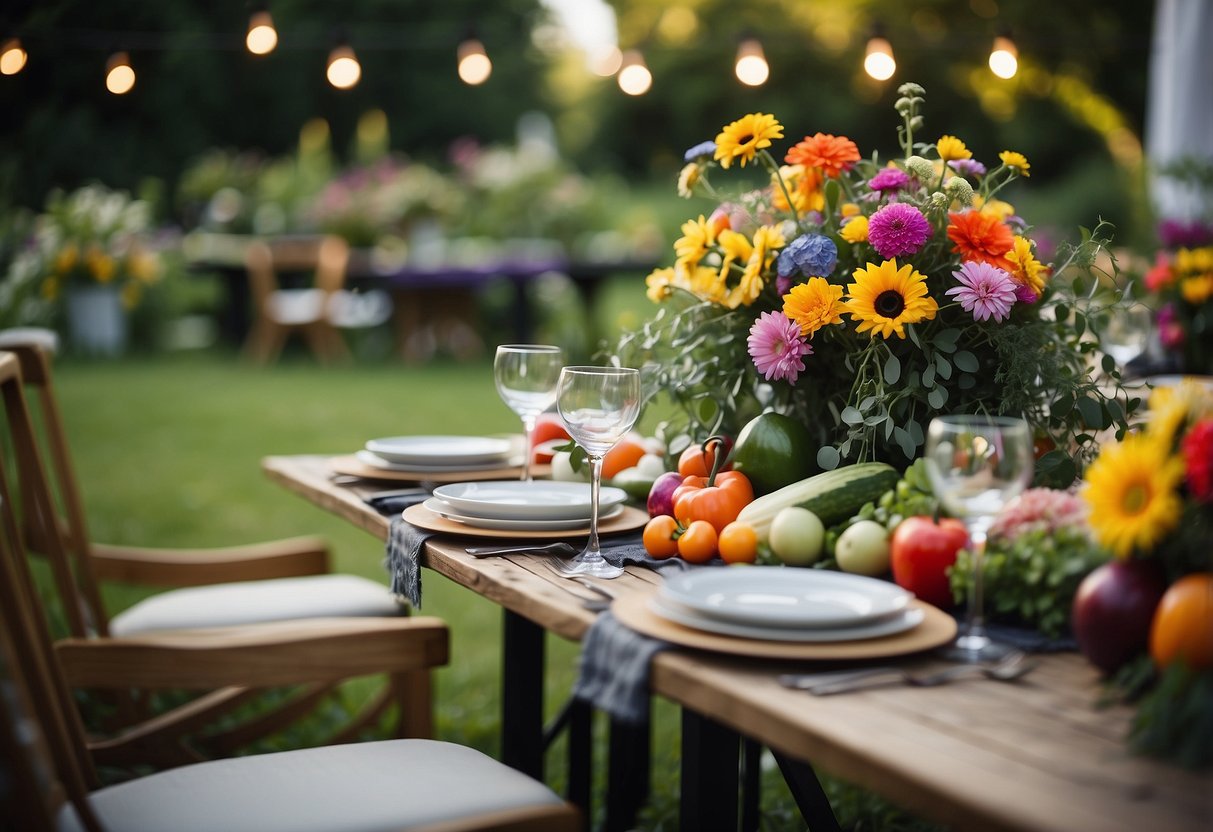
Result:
{"points": [[1113, 609], [661, 495]]}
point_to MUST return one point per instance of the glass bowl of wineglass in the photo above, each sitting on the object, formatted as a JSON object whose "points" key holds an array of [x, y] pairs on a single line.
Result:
{"points": [[526, 376]]}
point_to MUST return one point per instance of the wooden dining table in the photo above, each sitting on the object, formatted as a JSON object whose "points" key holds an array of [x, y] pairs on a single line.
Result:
{"points": [[1041, 753]]}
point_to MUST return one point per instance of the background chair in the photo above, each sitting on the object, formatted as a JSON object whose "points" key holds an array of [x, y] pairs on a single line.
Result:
{"points": [[319, 311], [273, 581]]}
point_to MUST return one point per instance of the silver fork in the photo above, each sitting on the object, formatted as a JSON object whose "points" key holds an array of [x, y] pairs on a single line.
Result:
{"points": [[492, 551], [1011, 667]]}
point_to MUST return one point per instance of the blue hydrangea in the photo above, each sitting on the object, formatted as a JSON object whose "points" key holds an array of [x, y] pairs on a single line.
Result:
{"points": [[812, 255], [700, 150]]}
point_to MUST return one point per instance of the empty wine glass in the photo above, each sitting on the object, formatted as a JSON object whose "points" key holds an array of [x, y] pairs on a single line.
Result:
{"points": [[599, 405], [1127, 334], [977, 464], [526, 376]]}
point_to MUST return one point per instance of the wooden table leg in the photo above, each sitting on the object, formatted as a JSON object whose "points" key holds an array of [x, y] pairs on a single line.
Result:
{"points": [[709, 775], [522, 695]]}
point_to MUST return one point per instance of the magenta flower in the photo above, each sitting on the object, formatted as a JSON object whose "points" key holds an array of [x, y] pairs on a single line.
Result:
{"points": [[777, 348], [889, 179], [898, 230], [986, 291]]}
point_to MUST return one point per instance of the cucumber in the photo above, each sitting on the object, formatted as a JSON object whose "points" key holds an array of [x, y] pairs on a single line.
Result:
{"points": [[833, 496]]}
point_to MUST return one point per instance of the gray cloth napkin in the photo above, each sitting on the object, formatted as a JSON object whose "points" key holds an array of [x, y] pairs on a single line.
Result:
{"points": [[628, 550], [613, 672], [404, 542]]}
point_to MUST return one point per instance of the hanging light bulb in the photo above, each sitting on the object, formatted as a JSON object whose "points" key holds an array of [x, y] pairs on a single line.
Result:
{"points": [[634, 77], [878, 59], [262, 37], [344, 70], [1004, 57], [119, 75], [751, 67], [474, 64], [12, 57]]}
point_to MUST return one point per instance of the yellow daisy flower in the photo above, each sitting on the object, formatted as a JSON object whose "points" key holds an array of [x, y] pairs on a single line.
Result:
{"points": [[1196, 290], [1015, 160], [745, 137], [994, 207], [950, 148], [1026, 269], [67, 258], [659, 283], [1132, 491], [813, 305], [855, 230], [1194, 260], [688, 178], [848, 209], [100, 264], [697, 236], [707, 284], [1174, 405], [804, 186], [884, 299], [767, 240]]}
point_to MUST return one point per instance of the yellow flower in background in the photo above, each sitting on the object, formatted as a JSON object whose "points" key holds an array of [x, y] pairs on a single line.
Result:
{"points": [[767, 240], [848, 209], [743, 138], [143, 267], [950, 148], [1017, 161], [659, 283], [1132, 489], [855, 230], [1026, 270], [1174, 405], [67, 258], [50, 288], [994, 207], [1197, 290], [100, 264], [688, 178], [884, 298], [814, 304], [1194, 260], [697, 236], [804, 186]]}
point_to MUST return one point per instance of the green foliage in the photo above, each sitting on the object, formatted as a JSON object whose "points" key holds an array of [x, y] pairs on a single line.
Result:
{"points": [[1174, 719]]}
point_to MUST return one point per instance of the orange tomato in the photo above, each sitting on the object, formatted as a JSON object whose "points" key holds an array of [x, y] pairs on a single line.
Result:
{"points": [[698, 543], [1183, 623], [659, 539], [719, 501], [696, 462], [626, 453], [738, 543]]}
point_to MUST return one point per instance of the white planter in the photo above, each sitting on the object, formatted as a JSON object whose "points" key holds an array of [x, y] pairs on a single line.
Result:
{"points": [[96, 320]]}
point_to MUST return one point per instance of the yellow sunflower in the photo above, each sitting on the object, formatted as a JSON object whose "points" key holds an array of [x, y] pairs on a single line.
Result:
{"points": [[1017, 161], [1132, 491], [884, 299], [950, 148], [1174, 405], [855, 230], [745, 137], [813, 305], [697, 236]]}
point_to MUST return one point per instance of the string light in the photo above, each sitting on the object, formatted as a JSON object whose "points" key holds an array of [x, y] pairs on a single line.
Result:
{"points": [[343, 70], [1004, 57], [605, 60], [262, 37], [474, 64], [12, 57], [878, 59], [119, 74], [751, 67], [634, 77]]}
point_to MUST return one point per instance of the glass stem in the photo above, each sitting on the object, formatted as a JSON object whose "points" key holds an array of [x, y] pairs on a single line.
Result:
{"points": [[528, 427], [592, 551], [975, 620]]}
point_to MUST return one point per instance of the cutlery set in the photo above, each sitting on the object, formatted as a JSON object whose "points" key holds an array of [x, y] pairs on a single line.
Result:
{"points": [[1013, 666]]}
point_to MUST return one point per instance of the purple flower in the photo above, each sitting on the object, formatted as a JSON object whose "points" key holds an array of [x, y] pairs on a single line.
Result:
{"points": [[1170, 330], [986, 291], [699, 151], [812, 255], [1025, 294], [897, 230], [1179, 234], [889, 179], [967, 167], [777, 348]]}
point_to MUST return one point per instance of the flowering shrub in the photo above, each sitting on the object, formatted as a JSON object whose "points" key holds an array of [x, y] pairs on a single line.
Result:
{"points": [[864, 297]]}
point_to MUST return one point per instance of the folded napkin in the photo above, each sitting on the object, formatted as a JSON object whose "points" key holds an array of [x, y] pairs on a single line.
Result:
{"points": [[404, 542], [613, 672], [628, 550], [1031, 641]]}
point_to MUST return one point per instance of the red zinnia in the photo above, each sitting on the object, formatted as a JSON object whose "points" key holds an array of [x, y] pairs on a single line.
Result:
{"points": [[833, 154], [1198, 459], [981, 237]]}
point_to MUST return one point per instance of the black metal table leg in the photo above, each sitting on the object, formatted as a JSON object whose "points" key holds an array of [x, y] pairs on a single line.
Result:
{"points": [[751, 784], [522, 695], [709, 775], [627, 773], [580, 756], [810, 797]]}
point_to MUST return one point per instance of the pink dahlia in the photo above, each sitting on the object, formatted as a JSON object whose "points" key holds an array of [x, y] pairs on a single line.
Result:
{"points": [[777, 348], [984, 290], [898, 230], [889, 179]]}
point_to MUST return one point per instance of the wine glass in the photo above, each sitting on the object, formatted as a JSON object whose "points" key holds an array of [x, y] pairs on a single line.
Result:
{"points": [[977, 464], [599, 405], [1127, 334], [526, 376]]}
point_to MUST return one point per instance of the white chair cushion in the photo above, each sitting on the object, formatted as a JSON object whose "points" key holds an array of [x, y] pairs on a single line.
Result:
{"points": [[359, 310], [36, 336], [296, 306], [362, 787], [255, 602]]}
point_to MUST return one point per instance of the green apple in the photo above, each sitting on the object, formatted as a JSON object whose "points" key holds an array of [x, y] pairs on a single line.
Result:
{"points": [[796, 536], [863, 548]]}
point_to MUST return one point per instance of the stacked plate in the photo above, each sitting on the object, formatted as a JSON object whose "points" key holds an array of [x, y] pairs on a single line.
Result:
{"points": [[524, 506], [441, 454], [780, 603]]}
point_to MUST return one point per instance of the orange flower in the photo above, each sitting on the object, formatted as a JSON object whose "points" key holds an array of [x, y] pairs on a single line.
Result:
{"points": [[981, 238], [833, 154]]}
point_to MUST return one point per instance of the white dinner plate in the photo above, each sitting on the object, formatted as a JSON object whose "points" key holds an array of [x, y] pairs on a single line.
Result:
{"points": [[376, 461], [535, 500], [897, 623], [442, 450], [441, 507], [783, 596]]}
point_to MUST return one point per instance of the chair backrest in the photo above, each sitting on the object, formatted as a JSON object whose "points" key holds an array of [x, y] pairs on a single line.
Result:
{"points": [[327, 257]]}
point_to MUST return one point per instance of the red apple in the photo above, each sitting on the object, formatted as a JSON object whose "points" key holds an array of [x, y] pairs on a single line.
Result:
{"points": [[1113, 609], [548, 426], [921, 552], [661, 495]]}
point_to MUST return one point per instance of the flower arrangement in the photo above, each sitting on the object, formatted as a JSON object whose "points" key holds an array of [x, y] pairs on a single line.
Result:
{"points": [[863, 297], [1181, 289]]}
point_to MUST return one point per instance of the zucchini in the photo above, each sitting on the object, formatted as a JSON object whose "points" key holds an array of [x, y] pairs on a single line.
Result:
{"points": [[833, 496]]}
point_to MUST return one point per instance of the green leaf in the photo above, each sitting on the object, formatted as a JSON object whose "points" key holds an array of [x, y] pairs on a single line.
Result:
{"points": [[913, 330], [1055, 470], [928, 376], [1061, 313], [1108, 363], [938, 397], [1062, 405], [966, 361], [904, 441], [892, 369], [1093, 413], [707, 410], [946, 339], [851, 416], [966, 382], [828, 457]]}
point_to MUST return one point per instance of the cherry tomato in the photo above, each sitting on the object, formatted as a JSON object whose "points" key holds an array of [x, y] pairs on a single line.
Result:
{"points": [[698, 543], [738, 543], [659, 540]]}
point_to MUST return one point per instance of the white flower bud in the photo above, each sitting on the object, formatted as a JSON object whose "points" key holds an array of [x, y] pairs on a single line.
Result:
{"points": [[920, 168]]}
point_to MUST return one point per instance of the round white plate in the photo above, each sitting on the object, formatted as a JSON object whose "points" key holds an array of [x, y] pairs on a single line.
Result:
{"points": [[441, 450], [899, 623], [535, 500], [441, 507], [376, 461], [783, 596]]}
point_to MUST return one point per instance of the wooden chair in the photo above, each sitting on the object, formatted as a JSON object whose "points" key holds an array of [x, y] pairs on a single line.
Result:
{"points": [[319, 311], [47, 780], [274, 581]]}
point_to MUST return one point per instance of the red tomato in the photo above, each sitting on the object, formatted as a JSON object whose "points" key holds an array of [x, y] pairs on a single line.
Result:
{"points": [[921, 553], [548, 426]]}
